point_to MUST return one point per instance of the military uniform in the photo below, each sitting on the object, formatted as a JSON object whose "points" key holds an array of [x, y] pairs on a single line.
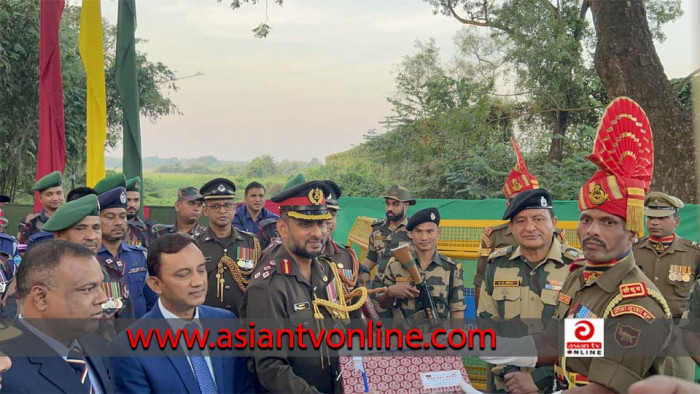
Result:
{"points": [[381, 240], [228, 277], [160, 230], [280, 296], [34, 222], [691, 317], [445, 278], [345, 259], [139, 232], [497, 237], [625, 294], [673, 271]]}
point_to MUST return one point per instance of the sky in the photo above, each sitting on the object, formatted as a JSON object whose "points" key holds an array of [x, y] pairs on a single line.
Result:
{"points": [[314, 86]]}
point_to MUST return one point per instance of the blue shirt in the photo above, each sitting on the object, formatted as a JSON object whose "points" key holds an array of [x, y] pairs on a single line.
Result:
{"points": [[135, 273], [244, 222]]}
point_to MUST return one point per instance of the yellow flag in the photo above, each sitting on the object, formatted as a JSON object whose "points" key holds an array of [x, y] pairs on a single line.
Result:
{"points": [[92, 53]]}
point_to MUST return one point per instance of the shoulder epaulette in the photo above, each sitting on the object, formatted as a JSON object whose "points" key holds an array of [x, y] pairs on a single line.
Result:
{"points": [[447, 259], [31, 217], [150, 222], [692, 244], [133, 247], [487, 231], [504, 251], [265, 271], [8, 237], [572, 253], [247, 233], [576, 264], [638, 240], [378, 222]]}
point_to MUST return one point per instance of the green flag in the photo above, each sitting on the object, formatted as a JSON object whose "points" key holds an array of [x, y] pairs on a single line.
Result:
{"points": [[127, 86]]}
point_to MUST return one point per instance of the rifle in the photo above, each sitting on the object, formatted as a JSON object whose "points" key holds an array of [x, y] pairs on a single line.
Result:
{"points": [[403, 255]]}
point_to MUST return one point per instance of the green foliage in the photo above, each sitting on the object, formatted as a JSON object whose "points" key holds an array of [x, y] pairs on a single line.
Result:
{"points": [[19, 115]]}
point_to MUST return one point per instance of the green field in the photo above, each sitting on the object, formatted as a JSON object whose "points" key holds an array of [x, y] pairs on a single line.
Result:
{"points": [[161, 188]]}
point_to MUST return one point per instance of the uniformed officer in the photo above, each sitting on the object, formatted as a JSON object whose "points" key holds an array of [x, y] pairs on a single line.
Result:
{"points": [[343, 256], [443, 275], [496, 237], [230, 254], [78, 221], [388, 234], [139, 233], [670, 261], [110, 182], [51, 197], [188, 207], [125, 264], [288, 290], [522, 281]]}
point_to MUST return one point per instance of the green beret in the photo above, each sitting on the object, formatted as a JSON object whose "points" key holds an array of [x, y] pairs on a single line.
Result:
{"points": [[71, 213], [296, 180], [110, 182], [133, 185], [51, 180]]}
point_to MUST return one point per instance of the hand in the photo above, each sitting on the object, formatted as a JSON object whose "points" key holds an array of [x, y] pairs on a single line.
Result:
{"points": [[402, 290], [520, 383], [663, 384]]}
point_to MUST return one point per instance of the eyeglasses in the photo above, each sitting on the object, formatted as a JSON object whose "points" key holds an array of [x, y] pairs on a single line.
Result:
{"points": [[228, 206]]}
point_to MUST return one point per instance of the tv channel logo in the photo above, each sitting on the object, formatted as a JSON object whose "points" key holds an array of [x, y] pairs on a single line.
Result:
{"points": [[584, 337]]}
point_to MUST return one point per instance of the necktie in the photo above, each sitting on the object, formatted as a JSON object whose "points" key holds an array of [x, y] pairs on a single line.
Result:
{"points": [[199, 365], [76, 360]]}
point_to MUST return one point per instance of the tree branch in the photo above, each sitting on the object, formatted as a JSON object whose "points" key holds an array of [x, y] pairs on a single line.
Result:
{"points": [[584, 8], [466, 21], [679, 85]]}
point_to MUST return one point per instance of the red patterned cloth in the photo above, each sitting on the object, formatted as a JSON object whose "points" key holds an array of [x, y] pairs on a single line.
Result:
{"points": [[399, 372]]}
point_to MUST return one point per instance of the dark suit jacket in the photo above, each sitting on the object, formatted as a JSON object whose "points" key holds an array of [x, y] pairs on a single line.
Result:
{"points": [[169, 370], [37, 368]]}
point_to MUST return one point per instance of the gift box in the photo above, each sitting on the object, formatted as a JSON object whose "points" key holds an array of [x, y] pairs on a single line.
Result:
{"points": [[403, 372]]}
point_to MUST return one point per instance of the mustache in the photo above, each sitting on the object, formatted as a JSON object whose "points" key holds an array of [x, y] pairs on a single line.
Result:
{"points": [[592, 239]]}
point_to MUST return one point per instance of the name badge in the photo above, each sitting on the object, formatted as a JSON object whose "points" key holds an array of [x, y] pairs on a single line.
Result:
{"points": [[301, 306]]}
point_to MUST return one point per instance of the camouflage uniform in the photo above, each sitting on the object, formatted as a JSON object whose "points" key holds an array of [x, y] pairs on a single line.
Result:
{"points": [[445, 277], [139, 233], [673, 271], [514, 289], [160, 230], [381, 240], [31, 225], [495, 238], [634, 320]]}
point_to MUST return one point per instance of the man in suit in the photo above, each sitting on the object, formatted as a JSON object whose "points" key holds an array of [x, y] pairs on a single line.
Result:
{"points": [[60, 298], [177, 273]]}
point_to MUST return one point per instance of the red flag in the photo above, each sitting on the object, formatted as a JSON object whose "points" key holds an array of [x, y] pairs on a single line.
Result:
{"points": [[51, 155]]}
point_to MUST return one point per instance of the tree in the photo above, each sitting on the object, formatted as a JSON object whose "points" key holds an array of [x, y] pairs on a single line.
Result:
{"points": [[629, 66], [261, 166], [625, 62], [19, 115]]}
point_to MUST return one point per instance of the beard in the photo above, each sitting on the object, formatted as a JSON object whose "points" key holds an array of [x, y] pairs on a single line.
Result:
{"points": [[395, 217], [130, 217], [302, 252]]}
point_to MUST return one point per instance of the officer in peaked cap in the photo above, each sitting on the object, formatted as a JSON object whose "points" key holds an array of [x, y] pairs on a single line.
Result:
{"points": [[139, 230], [292, 281], [78, 221], [51, 197], [536, 265], [230, 254], [125, 264], [670, 261]]}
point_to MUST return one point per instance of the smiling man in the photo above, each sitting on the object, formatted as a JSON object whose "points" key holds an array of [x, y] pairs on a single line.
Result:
{"points": [[51, 197], [177, 273], [59, 292], [522, 282], [78, 221]]}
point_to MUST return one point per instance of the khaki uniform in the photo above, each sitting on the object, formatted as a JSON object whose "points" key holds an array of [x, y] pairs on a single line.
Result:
{"points": [[495, 238], [633, 341], [31, 225], [381, 240], [445, 277], [280, 297], [515, 288], [674, 271], [242, 250]]}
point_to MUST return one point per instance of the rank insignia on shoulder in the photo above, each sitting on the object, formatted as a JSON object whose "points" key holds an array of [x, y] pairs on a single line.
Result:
{"points": [[301, 306], [486, 241], [632, 309], [286, 267], [266, 274], [499, 252], [459, 266], [378, 222], [272, 263], [487, 231], [257, 275], [626, 336], [633, 290], [267, 268], [564, 298]]}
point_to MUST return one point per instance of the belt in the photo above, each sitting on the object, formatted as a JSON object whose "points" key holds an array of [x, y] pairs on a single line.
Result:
{"points": [[566, 377]]}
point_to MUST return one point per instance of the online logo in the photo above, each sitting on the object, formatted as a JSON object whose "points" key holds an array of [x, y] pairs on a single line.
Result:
{"points": [[583, 337]]}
